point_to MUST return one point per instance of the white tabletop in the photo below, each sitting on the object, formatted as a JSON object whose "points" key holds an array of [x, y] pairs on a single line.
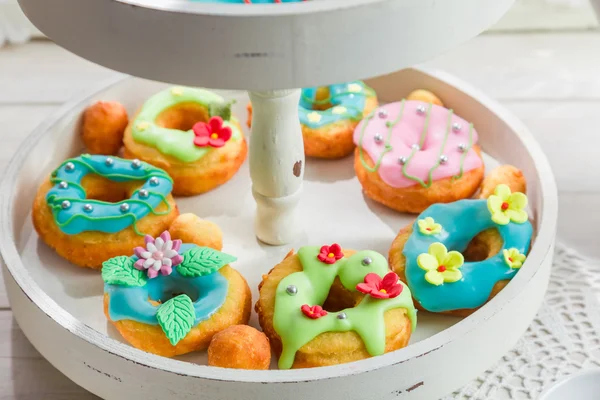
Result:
{"points": [[548, 80]]}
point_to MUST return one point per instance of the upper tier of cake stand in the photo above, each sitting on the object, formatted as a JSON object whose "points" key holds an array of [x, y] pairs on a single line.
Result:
{"points": [[260, 46]]}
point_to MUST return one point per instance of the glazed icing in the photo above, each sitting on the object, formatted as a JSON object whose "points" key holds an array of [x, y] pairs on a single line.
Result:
{"points": [[390, 132], [312, 287], [174, 142], [105, 216], [460, 222], [131, 302], [347, 100]]}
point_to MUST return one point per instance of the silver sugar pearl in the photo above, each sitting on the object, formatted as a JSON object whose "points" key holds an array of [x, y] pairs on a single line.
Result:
{"points": [[291, 290], [65, 204], [154, 181], [88, 208], [382, 114], [69, 167], [143, 193], [136, 163], [456, 127], [443, 159], [63, 185], [462, 147], [401, 160], [416, 147], [124, 207], [109, 162], [421, 109], [367, 261], [342, 315], [378, 138]]}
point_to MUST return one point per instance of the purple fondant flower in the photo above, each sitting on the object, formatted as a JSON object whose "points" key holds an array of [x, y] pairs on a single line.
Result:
{"points": [[160, 255]]}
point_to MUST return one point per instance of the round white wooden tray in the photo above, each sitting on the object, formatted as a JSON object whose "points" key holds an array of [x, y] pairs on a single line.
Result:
{"points": [[261, 46], [59, 306]]}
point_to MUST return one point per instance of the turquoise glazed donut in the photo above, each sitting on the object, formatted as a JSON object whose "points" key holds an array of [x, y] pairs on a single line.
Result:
{"points": [[170, 298], [347, 100], [73, 213], [440, 280], [95, 207]]}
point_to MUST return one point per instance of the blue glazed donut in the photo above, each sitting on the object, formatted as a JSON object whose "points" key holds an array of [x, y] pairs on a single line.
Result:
{"points": [[433, 266], [131, 302], [74, 213], [95, 207], [171, 298]]}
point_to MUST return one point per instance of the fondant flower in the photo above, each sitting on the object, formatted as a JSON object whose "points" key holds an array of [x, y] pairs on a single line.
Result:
{"points": [[506, 206], [330, 254], [375, 286], [428, 226], [514, 258], [314, 312], [440, 264], [159, 255], [212, 134]]}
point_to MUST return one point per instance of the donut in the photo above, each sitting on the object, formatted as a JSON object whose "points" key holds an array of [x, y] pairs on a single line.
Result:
{"points": [[411, 154], [424, 96], [370, 310], [328, 116], [103, 127], [455, 257], [171, 298], [94, 207], [191, 134], [240, 347]]}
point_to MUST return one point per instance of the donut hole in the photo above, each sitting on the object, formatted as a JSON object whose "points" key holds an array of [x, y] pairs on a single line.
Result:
{"points": [[182, 116], [172, 288], [339, 298], [102, 189], [484, 245]]}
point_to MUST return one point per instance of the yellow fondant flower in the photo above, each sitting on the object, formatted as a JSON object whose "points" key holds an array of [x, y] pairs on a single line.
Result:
{"points": [[428, 226], [177, 91], [142, 125], [513, 258], [354, 88], [440, 264], [506, 206], [338, 110], [314, 116]]}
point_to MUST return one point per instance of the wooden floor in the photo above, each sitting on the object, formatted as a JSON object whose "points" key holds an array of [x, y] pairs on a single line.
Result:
{"points": [[550, 81]]}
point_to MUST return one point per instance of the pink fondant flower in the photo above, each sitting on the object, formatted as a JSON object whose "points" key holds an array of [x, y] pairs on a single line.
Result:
{"points": [[314, 312], [386, 288], [159, 255], [330, 254], [212, 134]]}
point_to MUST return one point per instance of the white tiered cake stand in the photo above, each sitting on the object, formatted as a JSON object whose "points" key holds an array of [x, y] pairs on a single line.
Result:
{"points": [[271, 50]]}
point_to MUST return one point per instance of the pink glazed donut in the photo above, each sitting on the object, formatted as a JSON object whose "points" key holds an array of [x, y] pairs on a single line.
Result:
{"points": [[411, 154]]}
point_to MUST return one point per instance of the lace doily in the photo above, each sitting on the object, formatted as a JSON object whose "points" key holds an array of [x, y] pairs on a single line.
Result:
{"points": [[562, 339]]}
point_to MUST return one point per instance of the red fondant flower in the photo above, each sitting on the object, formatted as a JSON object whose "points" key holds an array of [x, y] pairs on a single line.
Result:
{"points": [[213, 134], [330, 254], [314, 312], [386, 288]]}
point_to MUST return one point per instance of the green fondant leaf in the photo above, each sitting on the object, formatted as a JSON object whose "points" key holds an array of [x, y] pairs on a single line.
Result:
{"points": [[176, 317], [201, 261], [222, 110], [120, 271]]}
